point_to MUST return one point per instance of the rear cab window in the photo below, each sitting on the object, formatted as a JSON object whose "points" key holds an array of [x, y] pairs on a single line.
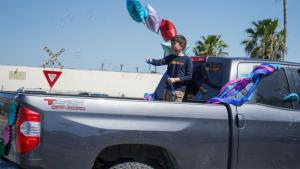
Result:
{"points": [[207, 80], [212, 80], [211, 75]]}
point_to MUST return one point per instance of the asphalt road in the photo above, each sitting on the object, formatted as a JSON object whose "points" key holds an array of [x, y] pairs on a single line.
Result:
{"points": [[7, 165]]}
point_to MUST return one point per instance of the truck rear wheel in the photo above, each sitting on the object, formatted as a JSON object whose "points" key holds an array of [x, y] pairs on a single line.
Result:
{"points": [[131, 165]]}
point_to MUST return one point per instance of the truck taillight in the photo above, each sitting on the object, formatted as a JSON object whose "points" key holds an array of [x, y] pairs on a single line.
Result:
{"points": [[28, 130]]}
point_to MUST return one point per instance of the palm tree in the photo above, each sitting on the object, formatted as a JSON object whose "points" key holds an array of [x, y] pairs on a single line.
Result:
{"points": [[212, 45], [264, 42]]}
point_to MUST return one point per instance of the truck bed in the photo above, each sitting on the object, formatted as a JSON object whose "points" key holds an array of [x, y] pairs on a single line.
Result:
{"points": [[74, 127]]}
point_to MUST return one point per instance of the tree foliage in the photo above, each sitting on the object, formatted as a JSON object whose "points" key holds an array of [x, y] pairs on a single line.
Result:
{"points": [[264, 41], [212, 45]]}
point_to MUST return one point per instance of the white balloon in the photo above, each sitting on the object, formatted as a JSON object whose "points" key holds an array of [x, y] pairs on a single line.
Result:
{"points": [[152, 21]]}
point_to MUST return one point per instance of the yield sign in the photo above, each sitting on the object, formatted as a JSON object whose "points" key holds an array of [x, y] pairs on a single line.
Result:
{"points": [[52, 76]]}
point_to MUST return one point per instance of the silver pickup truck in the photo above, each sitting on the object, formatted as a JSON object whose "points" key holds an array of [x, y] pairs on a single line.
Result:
{"points": [[83, 132]]}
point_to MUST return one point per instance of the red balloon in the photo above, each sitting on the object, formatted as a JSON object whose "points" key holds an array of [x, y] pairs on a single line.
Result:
{"points": [[167, 29]]}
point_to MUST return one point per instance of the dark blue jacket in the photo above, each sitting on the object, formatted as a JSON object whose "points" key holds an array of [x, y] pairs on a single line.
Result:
{"points": [[178, 66]]}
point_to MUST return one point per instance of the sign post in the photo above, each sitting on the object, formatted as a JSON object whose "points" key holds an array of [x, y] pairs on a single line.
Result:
{"points": [[52, 75]]}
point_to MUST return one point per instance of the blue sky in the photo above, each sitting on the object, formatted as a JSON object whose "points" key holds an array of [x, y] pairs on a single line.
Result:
{"points": [[101, 31]]}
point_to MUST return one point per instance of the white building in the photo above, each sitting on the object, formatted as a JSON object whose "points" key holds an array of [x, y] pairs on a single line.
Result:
{"points": [[74, 81]]}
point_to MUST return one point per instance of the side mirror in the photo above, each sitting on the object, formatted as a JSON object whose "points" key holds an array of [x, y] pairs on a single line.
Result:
{"points": [[291, 97]]}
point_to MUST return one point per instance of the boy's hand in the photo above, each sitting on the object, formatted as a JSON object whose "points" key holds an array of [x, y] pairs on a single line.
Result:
{"points": [[173, 80], [148, 60]]}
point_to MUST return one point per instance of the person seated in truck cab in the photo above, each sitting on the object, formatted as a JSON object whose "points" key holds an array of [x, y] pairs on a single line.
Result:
{"points": [[199, 78]]}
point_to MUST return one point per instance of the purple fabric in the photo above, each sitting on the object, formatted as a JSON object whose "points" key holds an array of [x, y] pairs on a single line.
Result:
{"points": [[232, 88], [149, 97]]}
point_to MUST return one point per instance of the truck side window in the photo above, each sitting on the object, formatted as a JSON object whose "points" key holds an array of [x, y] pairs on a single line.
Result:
{"points": [[296, 77], [272, 89], [244, 69]]}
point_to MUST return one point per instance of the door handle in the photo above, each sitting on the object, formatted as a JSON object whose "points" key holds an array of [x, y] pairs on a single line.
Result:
{"points": [[240, 120]]}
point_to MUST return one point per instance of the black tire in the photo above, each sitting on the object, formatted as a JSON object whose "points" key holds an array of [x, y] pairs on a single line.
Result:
{"points": [[131, 165]]}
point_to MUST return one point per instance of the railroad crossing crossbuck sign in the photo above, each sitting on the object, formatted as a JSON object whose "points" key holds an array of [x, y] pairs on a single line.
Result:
{"points": [[53, 58]]}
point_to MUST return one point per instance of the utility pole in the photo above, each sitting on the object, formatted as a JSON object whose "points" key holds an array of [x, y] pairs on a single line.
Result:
{"points": [[121, 67], [285, 27], [149, 67], [102, 66]]}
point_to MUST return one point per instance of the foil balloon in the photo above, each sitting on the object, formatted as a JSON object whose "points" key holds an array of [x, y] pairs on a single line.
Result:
{"points": [[136, 11], [168, 50], [167, 29], [152, 21]]}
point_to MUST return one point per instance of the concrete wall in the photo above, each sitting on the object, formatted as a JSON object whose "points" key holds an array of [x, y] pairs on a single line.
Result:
{"points": [[73, 81]]}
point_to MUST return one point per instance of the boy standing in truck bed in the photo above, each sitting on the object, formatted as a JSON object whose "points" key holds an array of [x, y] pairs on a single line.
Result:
{"points": [[179, 70]]}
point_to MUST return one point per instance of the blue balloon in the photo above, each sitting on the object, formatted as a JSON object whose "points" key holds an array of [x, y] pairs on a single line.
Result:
{"points": [[136, 11]]}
